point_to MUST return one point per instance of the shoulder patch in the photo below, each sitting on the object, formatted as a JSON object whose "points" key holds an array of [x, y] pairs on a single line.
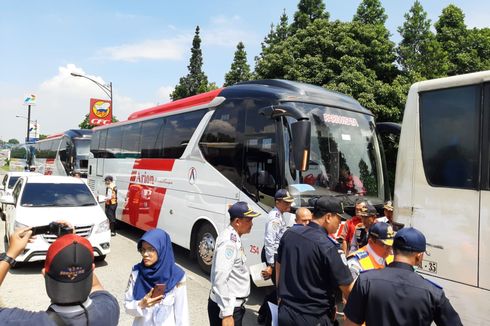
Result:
{"points": [[229, 250], [233, 237], [361, 254], [433, 283]]}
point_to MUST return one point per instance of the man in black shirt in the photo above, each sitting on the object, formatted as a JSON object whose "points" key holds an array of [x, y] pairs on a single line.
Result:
{"points": [[396, 295], [309, 268]]}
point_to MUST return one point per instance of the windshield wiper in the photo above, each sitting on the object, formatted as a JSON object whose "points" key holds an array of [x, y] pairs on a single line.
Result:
{"points": [[88, 204], [39, 205]]}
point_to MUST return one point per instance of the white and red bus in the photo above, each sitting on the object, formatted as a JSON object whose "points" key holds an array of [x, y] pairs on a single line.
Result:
{"points": [[179, 165], [63, 154]]}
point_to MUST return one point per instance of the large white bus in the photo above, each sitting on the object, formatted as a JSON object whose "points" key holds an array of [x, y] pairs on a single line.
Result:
{"points": [[63, 154], [442, 186], [179, 165]]}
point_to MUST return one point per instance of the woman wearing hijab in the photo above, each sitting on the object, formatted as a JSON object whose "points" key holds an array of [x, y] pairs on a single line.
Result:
{"points": [[157, 267]]}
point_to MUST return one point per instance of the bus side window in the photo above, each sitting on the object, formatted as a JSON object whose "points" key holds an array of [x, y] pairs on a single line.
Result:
{"points": [[178, 131], [449, 131]]}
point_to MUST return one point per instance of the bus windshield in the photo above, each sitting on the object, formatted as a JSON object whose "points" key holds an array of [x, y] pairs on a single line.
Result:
{"points": [[83, 147], [345, 157]]}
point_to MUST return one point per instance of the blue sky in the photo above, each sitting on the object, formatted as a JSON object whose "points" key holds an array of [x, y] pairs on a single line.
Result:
{"points": [[142, 47]]}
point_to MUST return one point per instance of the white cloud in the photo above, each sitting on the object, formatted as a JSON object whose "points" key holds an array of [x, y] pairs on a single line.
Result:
{"points": [[163, 49], [227, 31], [163, 94], [62, 102]]}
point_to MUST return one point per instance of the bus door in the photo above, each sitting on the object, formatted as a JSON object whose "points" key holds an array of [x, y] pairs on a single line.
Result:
{"points": [[100, 158], [445, 197]]}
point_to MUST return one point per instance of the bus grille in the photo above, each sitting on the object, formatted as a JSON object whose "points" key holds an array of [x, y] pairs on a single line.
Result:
{"points": [[83, 231]]}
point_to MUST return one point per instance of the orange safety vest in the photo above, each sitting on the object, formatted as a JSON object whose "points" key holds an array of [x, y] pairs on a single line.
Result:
{"points": [[367, 262], [113, 199]]}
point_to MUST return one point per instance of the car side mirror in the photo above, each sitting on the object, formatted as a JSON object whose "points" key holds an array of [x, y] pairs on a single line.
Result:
{"points": [[7, 200], [100, 199]]}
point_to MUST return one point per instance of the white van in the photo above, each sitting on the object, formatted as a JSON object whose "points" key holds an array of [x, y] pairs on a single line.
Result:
{"points": [[442, 186], [40, 200]]}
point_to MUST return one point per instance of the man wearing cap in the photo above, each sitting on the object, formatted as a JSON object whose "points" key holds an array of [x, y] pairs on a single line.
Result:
{"points": [[397, 295], [274, 229], [310, 268], [368, 217], [111, 202], [230, 278], [376, 254], [77, 297]]}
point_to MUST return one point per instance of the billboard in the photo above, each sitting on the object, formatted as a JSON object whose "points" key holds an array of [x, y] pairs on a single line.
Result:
{"points": [[100, 112]]}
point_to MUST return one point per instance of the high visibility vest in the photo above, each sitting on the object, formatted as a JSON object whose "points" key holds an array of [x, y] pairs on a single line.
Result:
{"points": [[367, 262], [113, 199]]}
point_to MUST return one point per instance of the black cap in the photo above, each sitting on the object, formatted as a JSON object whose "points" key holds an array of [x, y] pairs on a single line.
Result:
{"points": [[108, 178], [409, 239], [240, 210], [368, 210], [328, 204]]}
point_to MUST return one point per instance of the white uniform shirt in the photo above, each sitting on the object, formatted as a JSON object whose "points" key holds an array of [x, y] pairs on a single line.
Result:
{"points": [[274, 229], [230, 278], [173, 309]]}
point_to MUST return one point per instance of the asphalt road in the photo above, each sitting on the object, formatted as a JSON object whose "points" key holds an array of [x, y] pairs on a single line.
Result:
{"points": [[24, 287]]}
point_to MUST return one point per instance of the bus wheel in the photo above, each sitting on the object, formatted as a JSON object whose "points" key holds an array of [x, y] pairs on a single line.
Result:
{"points": [[206, 239]]}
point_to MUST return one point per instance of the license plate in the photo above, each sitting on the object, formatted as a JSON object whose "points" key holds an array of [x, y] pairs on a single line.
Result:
{"points": [[429, 266]]}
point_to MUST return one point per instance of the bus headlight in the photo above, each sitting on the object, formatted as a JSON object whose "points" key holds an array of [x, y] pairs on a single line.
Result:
{"points": [[103, 226]]}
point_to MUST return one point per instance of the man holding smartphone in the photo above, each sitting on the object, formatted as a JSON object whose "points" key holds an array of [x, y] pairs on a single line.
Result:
{"points": [[77, 297]]}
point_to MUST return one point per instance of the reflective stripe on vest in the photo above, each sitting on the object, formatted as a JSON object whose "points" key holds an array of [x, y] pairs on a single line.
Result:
{"points": [[367, 262]]}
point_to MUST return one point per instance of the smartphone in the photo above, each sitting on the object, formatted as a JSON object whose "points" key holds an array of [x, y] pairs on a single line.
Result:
{"points": [[44, 229], [159, 289]]}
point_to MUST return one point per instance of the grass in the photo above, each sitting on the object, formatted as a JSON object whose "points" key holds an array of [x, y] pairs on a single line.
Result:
{"points": [[5, 168]]}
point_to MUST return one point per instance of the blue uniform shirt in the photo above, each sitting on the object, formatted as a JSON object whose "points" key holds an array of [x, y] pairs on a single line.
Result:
{"points": [[396, 295], [311, 270]]}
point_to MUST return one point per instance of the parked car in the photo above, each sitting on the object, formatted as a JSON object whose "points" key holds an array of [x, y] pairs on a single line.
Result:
{"points": [[39, 200], [8, 183]]}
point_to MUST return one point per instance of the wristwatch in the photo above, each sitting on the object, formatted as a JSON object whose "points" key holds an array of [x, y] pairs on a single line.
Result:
{"points": [[8, 259]]}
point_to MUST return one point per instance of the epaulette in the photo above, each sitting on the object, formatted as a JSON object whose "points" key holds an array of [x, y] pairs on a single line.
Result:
{"points": [[433, 283], [335, 242], [361, 254], [366, 270]]}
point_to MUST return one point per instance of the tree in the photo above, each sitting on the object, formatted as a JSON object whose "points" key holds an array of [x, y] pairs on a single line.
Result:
{"points": [[378, 51], [196, 81], [43, 136], [13, 141], [85, 124], [270, 63], [420, 55], [308, 11], [240, 70], [452, 34]]}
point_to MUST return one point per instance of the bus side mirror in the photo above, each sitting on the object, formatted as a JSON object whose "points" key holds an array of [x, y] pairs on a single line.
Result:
{"points": [[301, 134]]}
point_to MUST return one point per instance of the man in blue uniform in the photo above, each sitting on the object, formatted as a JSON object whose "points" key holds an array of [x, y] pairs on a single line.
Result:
{"points": [[396, 295], [310, 269]]}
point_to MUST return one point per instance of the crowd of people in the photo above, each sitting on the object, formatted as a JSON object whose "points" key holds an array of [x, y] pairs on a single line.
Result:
{"points": [[326, 261]]}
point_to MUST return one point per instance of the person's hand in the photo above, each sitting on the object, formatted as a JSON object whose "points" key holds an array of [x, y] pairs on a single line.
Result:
{"points": [[267, 273], [18, 241], [148, 301], [66, 224], [228, 321]]}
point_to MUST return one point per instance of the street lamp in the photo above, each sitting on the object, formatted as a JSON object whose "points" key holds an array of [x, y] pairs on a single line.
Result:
{"points": [[28, 126], [106, 88]]}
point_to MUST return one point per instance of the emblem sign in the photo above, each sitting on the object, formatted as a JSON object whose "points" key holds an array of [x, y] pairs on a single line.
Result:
{"points": [[192, 175]]}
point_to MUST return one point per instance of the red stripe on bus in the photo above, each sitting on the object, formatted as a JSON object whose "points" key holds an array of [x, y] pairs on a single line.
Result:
{"points": [[163, 164], [187, 102]]}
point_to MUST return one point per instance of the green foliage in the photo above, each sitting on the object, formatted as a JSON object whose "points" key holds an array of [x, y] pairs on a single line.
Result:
{"points": [[370, 12], [13, 141], [85, 124], [308, 12], [42, 136], [196, 81], [240, 70], [420, 55]]}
